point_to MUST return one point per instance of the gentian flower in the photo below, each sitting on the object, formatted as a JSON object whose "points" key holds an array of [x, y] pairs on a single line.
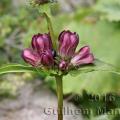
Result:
{"points": [[31, 57], [47, 58], [68, 42], [41, 52], [82, 57], [41, 42]]}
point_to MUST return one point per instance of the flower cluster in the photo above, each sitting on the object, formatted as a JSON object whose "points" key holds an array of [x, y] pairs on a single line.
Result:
{"points": [[42, 53]]}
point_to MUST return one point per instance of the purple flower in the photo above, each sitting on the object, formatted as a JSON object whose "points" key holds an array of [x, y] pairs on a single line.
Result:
{"points": [[68, 42], [41, 42], [41, 54], [31, 57], [47, 58], [63, 65], [82, 57]]}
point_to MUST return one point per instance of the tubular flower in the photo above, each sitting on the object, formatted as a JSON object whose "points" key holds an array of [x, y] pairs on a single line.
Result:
{"points": [[68, 42], [66, 58], [31, 57], [83, 57], [41, 42], [41, 53], [47, 58]]}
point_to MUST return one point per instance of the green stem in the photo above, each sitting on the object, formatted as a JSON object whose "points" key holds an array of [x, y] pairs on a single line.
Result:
{"points": [[60, 96], [50, 28]]}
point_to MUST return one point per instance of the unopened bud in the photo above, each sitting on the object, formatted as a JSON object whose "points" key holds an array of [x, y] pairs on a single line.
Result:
{"points": [[63, 65]]}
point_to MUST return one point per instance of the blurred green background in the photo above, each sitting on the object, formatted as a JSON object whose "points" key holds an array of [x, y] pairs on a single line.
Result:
{"points": [[98, 24]]}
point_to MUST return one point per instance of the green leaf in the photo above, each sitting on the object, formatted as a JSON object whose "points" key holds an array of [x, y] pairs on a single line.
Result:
{"points": [[97, 66], [97, 80], [16, 68]]}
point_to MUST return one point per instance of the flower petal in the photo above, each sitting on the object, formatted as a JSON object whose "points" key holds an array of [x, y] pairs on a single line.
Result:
{"points": [[68, 42], [31, 57]]}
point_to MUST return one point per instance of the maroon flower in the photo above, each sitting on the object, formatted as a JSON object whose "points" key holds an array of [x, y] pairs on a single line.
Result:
{"points": [[41, 42], [47, 58], [41, 52], [82, 57], [68, 42], [31, 57]]}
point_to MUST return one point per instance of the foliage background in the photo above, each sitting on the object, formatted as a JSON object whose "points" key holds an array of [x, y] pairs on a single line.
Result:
{"points": [[98, 26]]}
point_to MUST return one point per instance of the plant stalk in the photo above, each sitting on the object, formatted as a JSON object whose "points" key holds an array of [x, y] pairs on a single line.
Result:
{"points": [[59, 83], [51, 31]]}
